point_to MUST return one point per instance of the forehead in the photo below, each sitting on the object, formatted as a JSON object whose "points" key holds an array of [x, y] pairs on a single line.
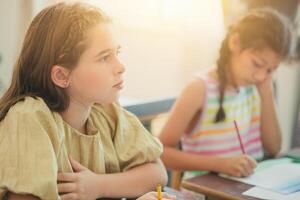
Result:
{"points": [[99, 38], [267, 55]]}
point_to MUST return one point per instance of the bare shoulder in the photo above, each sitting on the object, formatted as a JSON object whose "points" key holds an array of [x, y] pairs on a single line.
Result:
{"points": [[194, 92], [196, 85]]}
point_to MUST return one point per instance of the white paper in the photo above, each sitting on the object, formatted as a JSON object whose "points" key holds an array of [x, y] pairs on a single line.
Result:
{"points": [[261, 193], [283, 178]]}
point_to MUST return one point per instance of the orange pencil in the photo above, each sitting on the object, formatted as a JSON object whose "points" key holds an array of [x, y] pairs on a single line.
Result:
{"points": [[239, 137]]}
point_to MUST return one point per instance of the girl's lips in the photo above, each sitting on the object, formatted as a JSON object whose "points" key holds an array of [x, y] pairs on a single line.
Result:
{"points": [[119, 85]]}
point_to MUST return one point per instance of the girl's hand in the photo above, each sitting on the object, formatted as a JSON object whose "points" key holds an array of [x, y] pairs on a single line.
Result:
{"points": [[79, 185], [239, 166], [153, 196], [265, 87]]}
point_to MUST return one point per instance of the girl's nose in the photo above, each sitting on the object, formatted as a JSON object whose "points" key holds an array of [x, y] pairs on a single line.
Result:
{"points": [[120, 67]]}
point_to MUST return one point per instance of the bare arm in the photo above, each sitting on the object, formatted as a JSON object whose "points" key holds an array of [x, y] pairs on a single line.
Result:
{"points": [[88, 185], [191, 161], [85, 184], [134, 182], [183, 114], [271, 133]]}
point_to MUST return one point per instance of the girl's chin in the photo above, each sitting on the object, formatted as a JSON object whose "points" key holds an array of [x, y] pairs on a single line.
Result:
{"points": [[114, 98], [108, 100]]}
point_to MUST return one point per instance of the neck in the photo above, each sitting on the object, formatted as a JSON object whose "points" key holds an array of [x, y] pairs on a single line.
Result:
{"points": [[76, 114]]}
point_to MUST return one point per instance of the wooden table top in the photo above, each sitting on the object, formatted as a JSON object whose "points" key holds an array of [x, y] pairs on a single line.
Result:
{"points": [[215, 186]]}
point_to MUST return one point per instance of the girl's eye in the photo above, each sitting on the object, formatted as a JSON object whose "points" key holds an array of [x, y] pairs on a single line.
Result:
{"points": [[256, 64], [109, 56], [269, 71], [104, 59]]}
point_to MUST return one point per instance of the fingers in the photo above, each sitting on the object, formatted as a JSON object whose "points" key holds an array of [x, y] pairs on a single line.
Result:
{"points": [[154, 196], [252, 162], [77, 167], [246, 166], [168, 196], [237, 171], [148, 196], [69, 196], [247, 170], [66, 187], [66, 177], [250, 165]]}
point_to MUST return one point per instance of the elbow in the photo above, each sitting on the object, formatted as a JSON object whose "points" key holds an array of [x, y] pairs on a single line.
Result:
{"points": [[162, 176], [274, 150], [168, 158], [166, 161], [272, 145]]}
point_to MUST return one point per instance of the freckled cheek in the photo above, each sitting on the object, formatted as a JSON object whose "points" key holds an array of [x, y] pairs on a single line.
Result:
{"points": [[90, 82], [97, 83], [249, 70]]}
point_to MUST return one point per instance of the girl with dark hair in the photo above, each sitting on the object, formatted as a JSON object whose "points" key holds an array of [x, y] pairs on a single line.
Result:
{"points": [[238, 89]]}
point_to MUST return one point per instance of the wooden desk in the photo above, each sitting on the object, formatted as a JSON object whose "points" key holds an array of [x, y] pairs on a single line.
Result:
{"points": [[212, 185]]}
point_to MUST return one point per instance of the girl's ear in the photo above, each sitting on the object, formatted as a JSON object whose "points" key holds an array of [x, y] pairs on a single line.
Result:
{"points": [[60, 76], [234, 43]]}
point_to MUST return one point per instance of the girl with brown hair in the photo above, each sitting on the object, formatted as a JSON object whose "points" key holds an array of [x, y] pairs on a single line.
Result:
{"points": [[61, 134]]}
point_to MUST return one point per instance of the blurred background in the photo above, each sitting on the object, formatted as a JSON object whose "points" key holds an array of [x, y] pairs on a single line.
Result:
{"points": [[164, 43]]}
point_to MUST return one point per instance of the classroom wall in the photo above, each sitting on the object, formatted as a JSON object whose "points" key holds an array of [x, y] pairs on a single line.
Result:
{"points": [[288, 96], [161, 40], [14, 19], [9, 36], [165, 42], [163, 45]]}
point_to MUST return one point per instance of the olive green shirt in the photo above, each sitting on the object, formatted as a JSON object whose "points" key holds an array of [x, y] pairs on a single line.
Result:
{"points": [[35, 143]]}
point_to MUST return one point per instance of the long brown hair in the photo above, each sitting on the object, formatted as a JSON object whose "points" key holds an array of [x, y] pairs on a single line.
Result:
{"points": [[54, 37], [258, 29]]}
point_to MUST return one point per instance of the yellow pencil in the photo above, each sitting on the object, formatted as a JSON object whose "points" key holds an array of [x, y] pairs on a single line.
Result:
{"points": [[158, 189]]}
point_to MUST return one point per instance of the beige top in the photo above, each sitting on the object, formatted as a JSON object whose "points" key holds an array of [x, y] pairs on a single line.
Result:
{"points": [[35, 143]]}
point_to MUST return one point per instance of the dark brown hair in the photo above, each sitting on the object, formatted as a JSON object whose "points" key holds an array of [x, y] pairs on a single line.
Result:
{"points": [[54, 37], [259, 29]]}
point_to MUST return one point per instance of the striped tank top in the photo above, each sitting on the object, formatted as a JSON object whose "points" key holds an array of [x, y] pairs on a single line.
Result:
{"points": [[220, 139]]}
